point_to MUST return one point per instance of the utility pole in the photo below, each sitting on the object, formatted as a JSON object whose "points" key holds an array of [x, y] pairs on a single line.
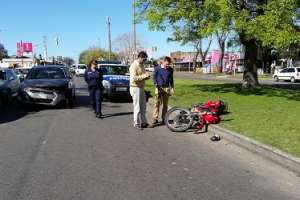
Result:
{"points": [[134, 30], [109, 38], [99, 42], [45, 48]]}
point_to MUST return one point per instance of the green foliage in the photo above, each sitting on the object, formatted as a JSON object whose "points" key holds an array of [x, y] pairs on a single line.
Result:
{"points": [[272, 23], [68, 61], [272, 26], [186, 18], [95, 53], [3, 52]]}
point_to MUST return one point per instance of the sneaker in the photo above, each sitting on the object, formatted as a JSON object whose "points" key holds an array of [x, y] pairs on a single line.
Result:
{"points": [[145, 125], [99, 115], [138, 127], [155, 121]]}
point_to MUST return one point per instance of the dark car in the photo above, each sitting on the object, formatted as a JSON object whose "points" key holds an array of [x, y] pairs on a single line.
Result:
{"points": [[9, 85], [115, 80], [48, 85]]}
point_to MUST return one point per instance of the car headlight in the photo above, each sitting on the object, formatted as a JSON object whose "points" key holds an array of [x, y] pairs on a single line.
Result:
{"points": [[106, 84], [70, 85]]}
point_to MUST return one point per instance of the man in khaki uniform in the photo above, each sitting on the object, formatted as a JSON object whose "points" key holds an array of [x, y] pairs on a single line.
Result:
{"points": [[138, 77]]}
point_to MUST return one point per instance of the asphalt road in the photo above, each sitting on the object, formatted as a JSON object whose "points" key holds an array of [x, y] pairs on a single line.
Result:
{"points": [[60, 154], [238, 79]]}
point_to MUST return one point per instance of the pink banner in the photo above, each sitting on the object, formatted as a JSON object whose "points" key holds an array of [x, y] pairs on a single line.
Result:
{"points": [[24, 47], [27, 47]]}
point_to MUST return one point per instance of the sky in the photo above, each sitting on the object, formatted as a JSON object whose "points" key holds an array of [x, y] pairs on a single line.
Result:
{"points": [[79, 24]]}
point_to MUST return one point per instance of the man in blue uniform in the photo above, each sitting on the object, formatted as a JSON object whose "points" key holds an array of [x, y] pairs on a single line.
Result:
{"points": [[94, 77], [164, 88]]}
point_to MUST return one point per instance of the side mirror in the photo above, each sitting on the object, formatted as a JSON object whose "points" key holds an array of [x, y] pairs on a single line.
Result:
{"points": [[11, 78]]}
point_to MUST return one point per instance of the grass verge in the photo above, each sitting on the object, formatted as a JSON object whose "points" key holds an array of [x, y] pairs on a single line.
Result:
{"points": [[266, 114]]}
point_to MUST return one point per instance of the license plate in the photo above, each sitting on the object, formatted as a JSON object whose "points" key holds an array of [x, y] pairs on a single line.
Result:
{"points": [[121, 89]]}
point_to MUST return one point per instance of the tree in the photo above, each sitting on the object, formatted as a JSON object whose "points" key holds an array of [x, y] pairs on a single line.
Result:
{"points": [[185, 18], [262, 23], [88, 55], [124, 47], [258, 23], [3, 52], [68, 61], [220, 20]]}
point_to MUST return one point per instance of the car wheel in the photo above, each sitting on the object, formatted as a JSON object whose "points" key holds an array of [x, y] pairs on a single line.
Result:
{"points": [[276, 78], [70, 102], [293, 79], [7, 97]]}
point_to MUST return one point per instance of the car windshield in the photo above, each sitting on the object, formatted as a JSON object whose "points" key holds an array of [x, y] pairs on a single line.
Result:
{"points": [[114, 70], [82, 67], [46, 73]]}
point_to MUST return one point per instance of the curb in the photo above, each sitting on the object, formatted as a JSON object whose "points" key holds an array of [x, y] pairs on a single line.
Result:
{"points": [[273, 154], [276, 156]]}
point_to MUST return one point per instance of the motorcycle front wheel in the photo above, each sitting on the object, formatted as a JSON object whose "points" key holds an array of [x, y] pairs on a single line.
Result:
{"points": [[179, 119]]}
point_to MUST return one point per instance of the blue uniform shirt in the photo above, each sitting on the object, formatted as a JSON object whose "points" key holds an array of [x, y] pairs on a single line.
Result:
{"points": [[163, 77], [93, 78]]}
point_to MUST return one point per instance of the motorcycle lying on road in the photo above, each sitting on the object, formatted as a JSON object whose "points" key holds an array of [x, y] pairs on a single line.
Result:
{"points": [[179, 119]]}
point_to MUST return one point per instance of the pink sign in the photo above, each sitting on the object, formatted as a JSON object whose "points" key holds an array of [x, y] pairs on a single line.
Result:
{"points": [[23, 47], [27, 47]]}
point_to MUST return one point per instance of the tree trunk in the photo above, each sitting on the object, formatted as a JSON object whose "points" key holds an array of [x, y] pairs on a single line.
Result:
{"points": [[222, 48], [195, 61], [250, 74]]}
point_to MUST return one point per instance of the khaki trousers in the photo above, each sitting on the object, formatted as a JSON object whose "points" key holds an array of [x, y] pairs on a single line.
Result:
{"points": [[161, 97]]}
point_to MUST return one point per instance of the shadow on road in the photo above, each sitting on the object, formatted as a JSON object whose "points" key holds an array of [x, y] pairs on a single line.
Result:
{"points": [[15, 111], [117, 114]]}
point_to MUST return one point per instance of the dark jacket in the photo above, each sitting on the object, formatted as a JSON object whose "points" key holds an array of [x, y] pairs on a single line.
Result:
{"points": [[163, 77], [94, 78]]}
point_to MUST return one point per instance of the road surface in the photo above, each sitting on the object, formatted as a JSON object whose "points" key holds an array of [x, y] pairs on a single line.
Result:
{"points": [[61, 154]]}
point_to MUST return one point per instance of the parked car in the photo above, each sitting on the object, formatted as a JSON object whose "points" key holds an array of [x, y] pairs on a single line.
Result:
{"points": [[48, 85], [72, 69], [149, 69], [80, 70], [291, 74], [19, 74], [9, 85], [115, 80]]}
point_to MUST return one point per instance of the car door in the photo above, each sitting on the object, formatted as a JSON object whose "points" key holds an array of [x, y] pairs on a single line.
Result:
{"points": [[282, 74], [291, 73], [13, 81]]}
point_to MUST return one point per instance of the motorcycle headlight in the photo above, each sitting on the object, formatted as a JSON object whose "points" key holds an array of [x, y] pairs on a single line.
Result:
{"points": [[106, 84]]}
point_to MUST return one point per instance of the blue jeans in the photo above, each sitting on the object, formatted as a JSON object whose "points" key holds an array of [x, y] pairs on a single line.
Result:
{"points": [[96, 99]]}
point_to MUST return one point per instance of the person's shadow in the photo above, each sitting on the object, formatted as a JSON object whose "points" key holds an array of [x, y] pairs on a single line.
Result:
{"points": [[116, 114]]}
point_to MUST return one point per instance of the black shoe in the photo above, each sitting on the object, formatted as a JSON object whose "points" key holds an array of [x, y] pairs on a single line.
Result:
{"points": [[138, 127], [99, 115], [145, 125]]}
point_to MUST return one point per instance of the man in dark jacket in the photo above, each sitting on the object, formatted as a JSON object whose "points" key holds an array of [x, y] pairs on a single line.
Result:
{"points": [[94, 77], [164, 88]]}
